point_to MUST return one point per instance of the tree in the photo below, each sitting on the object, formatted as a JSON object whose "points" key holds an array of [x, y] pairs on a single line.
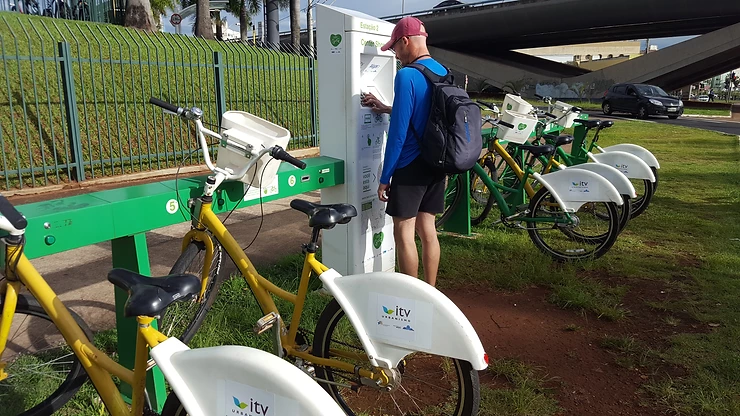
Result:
{"points": [[295, 24], [203, 24], [244, 9], [139, 15], [159, 7]]}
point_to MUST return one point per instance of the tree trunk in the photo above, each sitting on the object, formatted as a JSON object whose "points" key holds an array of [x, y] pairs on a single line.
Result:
{"points": [[309, 28], [139, 15], [243, 22], [203, 25], [295, 25]]}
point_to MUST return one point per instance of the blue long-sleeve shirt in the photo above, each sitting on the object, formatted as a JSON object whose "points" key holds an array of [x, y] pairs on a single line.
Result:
{"points": [[411, 104]]}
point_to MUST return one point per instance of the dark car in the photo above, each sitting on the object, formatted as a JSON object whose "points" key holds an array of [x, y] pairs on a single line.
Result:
{"points": [[641, 100]]}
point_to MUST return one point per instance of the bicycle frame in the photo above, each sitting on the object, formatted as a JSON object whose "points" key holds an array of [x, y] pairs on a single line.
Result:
{"points": [[507, 210], [98, 365], [204, 219]]}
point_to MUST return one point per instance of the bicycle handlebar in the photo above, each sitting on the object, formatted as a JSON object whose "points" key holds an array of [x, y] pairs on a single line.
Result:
{"points": [[11, 214], [505, 124], [551, 115], [280, 154], [167, 106]]}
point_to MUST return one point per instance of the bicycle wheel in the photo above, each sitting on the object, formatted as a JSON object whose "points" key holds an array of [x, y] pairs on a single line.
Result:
{"points": [[589, 237], [624, 212], [182, 319], [645, 191], [43, 371], [453, 195], [426, 384], [173, 406], [481, 199]]}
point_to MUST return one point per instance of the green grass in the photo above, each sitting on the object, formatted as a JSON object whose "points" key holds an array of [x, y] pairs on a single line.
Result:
{"points": [[707, 111], [523, 394], [688, 241], [115, 71]]}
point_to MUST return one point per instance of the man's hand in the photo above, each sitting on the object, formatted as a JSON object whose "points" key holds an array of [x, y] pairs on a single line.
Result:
{"points": [[383, 191], [369, 100]]}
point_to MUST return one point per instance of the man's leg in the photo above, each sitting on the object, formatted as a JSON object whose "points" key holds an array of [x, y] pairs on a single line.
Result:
{"points": [[408, 257], [430, 250]]}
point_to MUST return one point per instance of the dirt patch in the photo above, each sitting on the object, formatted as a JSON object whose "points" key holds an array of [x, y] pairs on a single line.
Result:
{"points": [[566, 345]]}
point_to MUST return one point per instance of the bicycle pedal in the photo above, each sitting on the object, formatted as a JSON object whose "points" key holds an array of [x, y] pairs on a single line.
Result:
{"points": [[266, 322]]}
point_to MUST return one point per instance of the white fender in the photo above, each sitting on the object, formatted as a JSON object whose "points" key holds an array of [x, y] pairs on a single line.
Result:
{"points": [[395, 314], [627, 163], [636, 150], [574, 187], [613, 175], [239, 380]]}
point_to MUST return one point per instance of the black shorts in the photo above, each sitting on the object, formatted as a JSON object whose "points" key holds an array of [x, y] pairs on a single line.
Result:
{"points": [[416, 188]]}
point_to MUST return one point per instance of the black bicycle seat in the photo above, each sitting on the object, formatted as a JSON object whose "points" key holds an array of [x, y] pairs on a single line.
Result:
{"points": [[606, 124], [588, 123], [558, 141], [535, 150], [149, 296], [325, 216]]}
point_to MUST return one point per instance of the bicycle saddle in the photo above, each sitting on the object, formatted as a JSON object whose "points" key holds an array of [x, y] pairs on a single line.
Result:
{"points": [[558, 141], [606, 124], [588, 123], [149, 296], [535, 150], [324, 216]]}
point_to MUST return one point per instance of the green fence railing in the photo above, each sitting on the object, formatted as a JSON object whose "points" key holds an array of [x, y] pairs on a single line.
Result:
{"points": [[74, 97]]}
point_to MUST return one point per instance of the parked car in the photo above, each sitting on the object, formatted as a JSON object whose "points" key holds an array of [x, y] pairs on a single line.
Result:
{"points": [[642, 100], [703, 98]]}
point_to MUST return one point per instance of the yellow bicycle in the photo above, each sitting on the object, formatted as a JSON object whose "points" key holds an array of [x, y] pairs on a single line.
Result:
{"points": [[46, 352], [386, 344]]}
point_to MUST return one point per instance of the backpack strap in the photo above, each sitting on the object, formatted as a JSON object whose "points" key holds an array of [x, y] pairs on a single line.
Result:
{"points": [[431, 76]]}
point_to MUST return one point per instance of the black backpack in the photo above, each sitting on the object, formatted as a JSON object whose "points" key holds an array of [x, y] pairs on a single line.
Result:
{"points": [[451, 141]]}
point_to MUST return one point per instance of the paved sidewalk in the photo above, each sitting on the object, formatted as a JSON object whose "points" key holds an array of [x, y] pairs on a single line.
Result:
{"points": [[79, 276]]}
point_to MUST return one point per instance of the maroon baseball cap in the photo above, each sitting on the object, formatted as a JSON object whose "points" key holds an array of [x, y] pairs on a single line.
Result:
{"points": [[407, 26]]}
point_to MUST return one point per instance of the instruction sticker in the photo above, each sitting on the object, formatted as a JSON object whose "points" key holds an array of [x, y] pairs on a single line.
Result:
{"points": [[252, 192], [401, 321]]}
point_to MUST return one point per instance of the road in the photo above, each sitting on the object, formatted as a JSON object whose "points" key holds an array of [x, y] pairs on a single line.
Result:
{"points": [[722, 125]]}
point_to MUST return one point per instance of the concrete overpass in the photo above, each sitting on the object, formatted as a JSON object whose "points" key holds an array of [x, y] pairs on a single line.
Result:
{"points": [[478, 39]]}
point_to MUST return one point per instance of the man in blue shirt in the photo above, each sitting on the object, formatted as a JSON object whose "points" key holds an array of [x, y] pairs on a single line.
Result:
{"points": [[413, 189]]}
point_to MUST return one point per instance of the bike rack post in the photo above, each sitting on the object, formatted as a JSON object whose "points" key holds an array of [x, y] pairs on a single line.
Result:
{"points": [[459, 221], [131, 253]]}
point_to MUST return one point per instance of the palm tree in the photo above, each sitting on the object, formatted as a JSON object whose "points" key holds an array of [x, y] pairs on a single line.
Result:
{"points": [[203, 27], [295, 25], [139, 15], [245, 9]]}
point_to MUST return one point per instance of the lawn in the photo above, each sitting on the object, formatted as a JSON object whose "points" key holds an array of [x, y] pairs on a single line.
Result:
{"points": [[114, 71]]}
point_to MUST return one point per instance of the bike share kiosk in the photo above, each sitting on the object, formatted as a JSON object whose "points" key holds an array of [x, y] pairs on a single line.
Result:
{"points": [[351, 63]]}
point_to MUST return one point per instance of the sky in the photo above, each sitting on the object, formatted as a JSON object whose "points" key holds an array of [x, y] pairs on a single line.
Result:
{"points": [[377, 8]]}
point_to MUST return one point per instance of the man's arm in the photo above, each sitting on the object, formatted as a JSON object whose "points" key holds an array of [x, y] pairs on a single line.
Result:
{"points": [[403, 105]]}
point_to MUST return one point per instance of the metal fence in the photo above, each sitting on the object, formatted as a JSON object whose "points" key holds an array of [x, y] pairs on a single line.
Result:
{"points": [[74, 97]]}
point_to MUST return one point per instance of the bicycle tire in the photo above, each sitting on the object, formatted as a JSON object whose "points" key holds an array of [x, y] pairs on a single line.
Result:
{"points": [[479, 196], [542, 202], [76, 375], [467, 386], [640, 204], [453, 196], [184, 327], [173, 406]]}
